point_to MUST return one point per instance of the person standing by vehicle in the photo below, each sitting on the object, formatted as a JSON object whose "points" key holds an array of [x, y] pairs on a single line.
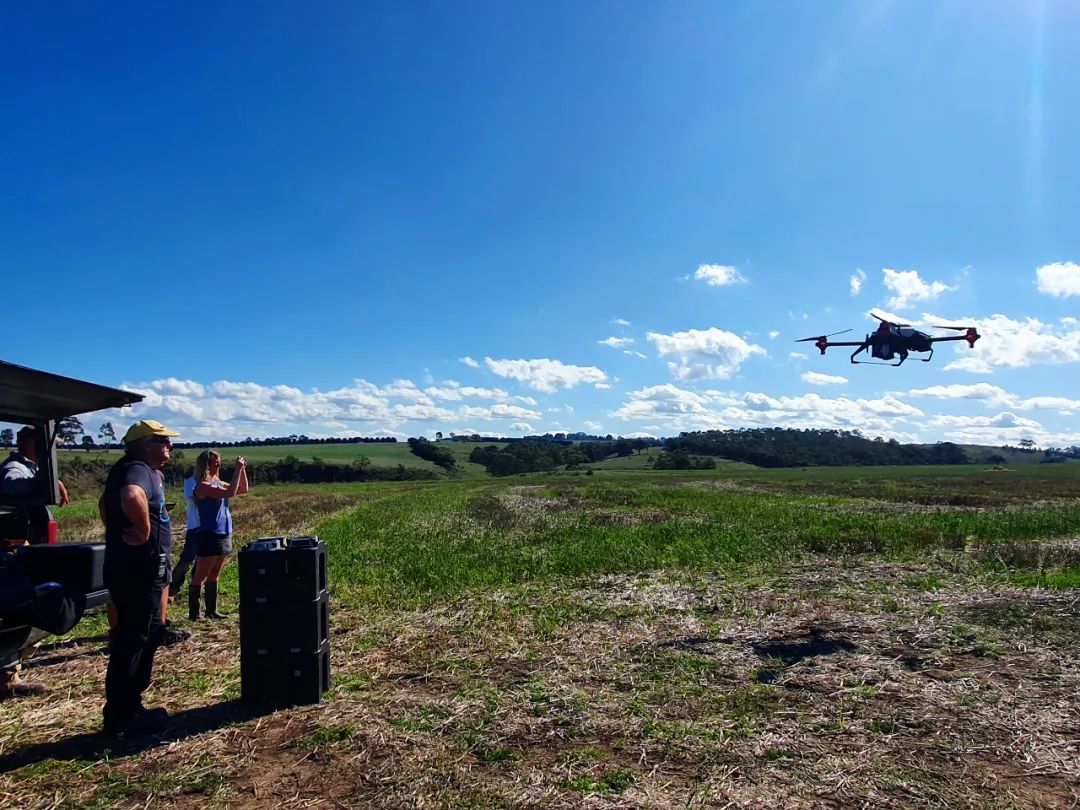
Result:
{"points": [[138, 544], [19, 479], [19, 476], [215, 528]]}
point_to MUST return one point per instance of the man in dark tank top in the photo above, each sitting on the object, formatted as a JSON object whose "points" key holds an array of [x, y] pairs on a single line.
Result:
{"points": [[138, 556]]}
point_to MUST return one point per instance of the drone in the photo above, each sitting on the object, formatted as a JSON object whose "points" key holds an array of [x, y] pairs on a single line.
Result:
{"points": [[891, 340]]}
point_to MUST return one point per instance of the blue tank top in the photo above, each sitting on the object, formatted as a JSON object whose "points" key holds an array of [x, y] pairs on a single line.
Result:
{"points": [[214, 514]]}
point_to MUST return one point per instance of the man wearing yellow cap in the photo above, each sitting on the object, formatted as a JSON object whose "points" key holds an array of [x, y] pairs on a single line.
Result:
{"points": [[138, 540]]}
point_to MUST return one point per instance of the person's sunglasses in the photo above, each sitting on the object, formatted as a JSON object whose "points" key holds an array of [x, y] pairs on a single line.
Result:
{"points": [[160, 440]]}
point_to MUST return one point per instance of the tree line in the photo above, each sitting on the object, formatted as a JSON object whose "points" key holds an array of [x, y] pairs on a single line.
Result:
{"points": [[86, 475], [544, 456], [787, 447]]}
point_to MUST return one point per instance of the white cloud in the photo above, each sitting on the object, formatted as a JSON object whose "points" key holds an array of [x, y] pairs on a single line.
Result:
{"points": [[1009, 343], [814, 378], [470, 362], [856, 282], [670, 409], [593, 426], [992, 395], [546, 375], [972, 365], [499, 411], [1063, 405], [522, 427], [704, 353], [616, 342], [718, 275], [796, 356], [1061, 279], [983, 391], [454, 392], [908, 288], [773, 334], [663, 402], [1001, 420], [620, 321], [632, 353], [228, 410]]}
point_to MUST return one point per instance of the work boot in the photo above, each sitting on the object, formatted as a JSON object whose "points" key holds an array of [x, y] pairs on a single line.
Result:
{"points": [[193, 602], [142, 721], [211, 601], [170, 635], [21, 689]]}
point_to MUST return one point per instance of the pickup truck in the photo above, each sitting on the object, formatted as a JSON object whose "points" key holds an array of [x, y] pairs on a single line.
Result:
{"points": [[45, 585]]}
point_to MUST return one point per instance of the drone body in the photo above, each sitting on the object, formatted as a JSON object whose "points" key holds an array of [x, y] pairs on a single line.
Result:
{"points": [[892, 340]]}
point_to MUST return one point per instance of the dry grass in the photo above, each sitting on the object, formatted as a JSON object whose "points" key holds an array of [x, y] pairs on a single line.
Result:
{"points": [[823, 682], [821, 685]]}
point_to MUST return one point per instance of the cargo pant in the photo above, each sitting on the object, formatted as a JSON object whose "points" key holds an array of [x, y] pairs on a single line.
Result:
{"points": [[137, 636]]}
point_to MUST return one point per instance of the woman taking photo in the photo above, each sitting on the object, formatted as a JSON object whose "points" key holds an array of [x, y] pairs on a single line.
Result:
{"points": [[214, 536]]}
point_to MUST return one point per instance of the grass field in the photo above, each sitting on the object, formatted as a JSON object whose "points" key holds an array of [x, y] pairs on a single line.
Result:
{"points": [[743, 638]]}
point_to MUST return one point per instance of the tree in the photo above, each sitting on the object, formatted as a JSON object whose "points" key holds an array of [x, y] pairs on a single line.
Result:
{"points": [[7, 436], [68, 428], [107, 432], [1027, 444], [88, 442], [438, 435]]}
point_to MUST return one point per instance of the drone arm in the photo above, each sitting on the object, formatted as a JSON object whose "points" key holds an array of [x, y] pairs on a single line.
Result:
{"points": [[970, 336]]}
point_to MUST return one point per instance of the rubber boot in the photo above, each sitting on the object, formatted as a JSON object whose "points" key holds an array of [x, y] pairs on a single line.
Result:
{"points": [[193, 602], [211, 601]]}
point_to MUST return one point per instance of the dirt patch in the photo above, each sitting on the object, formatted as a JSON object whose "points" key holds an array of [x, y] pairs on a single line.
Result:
{"points": [[823, 684]]}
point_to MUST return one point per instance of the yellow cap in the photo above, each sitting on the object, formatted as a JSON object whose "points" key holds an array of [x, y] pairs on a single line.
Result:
{"points": [[145, 429]]}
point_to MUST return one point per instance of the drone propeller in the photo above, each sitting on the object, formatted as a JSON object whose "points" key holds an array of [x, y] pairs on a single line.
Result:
{"points": [[888, 322], [954, 328], [822, 337]]}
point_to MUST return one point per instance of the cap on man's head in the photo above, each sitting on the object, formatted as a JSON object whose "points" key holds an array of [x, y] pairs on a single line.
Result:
{"points": [[145, 429]]}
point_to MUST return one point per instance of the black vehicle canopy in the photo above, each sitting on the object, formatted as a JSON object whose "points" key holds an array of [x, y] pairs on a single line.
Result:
{"points": [[33, 397]]}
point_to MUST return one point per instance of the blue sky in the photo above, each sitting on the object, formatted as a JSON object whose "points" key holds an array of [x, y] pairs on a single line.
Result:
{"points": [[392, 219]]}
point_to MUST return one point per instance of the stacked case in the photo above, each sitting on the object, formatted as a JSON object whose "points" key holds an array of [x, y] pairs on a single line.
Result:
{"points": [[284, 621]]}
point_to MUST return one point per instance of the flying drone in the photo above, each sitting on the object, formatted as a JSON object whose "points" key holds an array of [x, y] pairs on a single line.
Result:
{"points": [[890, 340]]}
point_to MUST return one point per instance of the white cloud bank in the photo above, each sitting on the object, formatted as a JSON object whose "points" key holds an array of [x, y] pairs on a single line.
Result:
{"points": [[228, 410], [672, 409], [615, 342], [1061, 279], [546, 375], [1009, 343], [701, 354]]}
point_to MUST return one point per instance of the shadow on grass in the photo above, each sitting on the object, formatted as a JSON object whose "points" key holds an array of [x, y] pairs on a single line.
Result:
{"points": [[68, 643], [95, 745], [35, 663], [816, 642]]}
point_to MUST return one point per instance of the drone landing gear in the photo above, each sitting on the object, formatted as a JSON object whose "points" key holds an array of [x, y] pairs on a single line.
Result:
{"points": [[927, 359]]}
